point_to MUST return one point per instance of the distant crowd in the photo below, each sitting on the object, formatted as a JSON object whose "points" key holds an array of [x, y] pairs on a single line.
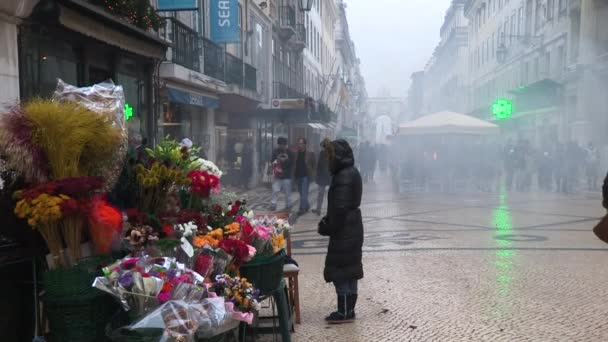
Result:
{"points": [[564, 168]]}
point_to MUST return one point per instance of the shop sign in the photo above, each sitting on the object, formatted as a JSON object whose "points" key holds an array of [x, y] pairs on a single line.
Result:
{"points": [[177, 5], [128, 112], [183, 97], [225, 21], [288, 104]]}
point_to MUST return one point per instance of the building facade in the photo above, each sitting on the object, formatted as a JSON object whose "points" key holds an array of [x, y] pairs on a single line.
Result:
{"points": [[11, 15], [547, 57], [446, 76], [519, 51]]}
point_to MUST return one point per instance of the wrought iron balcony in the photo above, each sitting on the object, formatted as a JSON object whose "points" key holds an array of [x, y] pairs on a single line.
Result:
{"points": [[298, 41], [287, 22], [185, 49], [281, 90], [234, 70], [251, 78], [214, 60]]}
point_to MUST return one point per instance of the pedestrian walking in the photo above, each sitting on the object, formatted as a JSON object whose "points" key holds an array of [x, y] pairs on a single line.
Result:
{"points": [[364, 155], [574, 161], [591, 166], [545, 170], [303, 173], [509, 164], [373, 161], [247, 166], [282, 163], [323, 176], [344, 226]]}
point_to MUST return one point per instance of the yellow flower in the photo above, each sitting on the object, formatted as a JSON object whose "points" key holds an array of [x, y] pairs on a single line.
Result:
{"points": [[233, 228], [278, 242]]}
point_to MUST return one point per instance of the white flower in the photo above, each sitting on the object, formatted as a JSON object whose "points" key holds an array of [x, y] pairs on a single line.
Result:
{"points": [[186, 143], [187, 229], [249, 215], [209, 228], [208, 166]]}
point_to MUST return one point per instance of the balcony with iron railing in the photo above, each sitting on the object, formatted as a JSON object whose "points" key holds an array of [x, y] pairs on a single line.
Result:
{"points": [[298, 41], [214, 61], [287, 22], [185, 49], [281, 90], [190, 50]]}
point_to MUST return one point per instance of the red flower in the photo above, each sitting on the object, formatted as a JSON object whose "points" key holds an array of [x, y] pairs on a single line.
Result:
{"points": [[203, 264], [237, 248], [247, 230], [168, 229], [167, 287]]}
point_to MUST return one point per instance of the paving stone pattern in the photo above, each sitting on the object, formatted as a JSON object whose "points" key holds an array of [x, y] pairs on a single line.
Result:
{"points": [[474, 267]]}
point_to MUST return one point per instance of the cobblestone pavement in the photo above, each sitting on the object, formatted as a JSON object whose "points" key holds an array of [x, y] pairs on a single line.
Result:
{"points": [[478, 267]]}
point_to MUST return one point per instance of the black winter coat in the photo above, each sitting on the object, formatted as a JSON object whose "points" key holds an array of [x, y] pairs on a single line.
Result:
{"points": [[343, 222]]}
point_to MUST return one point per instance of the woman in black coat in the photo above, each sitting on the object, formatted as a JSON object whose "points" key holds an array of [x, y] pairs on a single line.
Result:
{"points": [[343, 225]]}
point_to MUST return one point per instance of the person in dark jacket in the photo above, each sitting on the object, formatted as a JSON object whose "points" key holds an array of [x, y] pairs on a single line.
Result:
{"points": [[323, 177], [343, 225]]}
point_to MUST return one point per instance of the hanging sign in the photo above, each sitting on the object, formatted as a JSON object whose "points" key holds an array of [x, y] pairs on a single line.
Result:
{"points": [[225, 21], [177, 5]]}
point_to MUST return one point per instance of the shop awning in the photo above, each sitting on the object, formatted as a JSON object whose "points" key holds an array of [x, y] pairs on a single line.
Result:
{"points": [[235, 103], [189, 98], [318, 126], [95, 22], [448, 123], [545, 85]]}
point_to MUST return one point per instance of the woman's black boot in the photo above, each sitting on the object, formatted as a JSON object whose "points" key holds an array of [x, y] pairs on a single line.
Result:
{"points": [[344, 314]]}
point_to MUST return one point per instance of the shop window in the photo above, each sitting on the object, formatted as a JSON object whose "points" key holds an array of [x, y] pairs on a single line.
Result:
{"points": [[43, 63], [174, 122]]}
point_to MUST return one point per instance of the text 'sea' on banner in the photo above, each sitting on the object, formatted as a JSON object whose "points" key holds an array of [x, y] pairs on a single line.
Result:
{"points": [[225, 21]]}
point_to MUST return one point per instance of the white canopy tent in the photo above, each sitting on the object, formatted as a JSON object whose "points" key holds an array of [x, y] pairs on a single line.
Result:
{"points": [[446, 122]]}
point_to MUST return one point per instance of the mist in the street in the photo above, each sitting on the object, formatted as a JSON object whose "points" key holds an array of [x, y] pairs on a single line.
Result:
{"points": [[304, 170]]}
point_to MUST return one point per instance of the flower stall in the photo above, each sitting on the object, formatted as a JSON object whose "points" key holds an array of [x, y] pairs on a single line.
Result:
{"points": [[141, 246]]}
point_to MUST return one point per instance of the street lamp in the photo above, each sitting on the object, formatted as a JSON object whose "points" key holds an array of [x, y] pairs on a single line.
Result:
{"points": [[305, 5]]}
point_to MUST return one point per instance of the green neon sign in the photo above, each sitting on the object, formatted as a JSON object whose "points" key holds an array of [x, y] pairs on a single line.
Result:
{"points": [[128, 112], [502, 109]]}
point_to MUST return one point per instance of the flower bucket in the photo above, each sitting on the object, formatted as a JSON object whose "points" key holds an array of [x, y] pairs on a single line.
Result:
{"points": [[76, 311], [265, 273], [80, 319]]}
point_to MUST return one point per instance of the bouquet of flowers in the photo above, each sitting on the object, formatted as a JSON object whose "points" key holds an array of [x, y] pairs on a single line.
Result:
{"points": [[269, 235], [237, 291], [206, 166], [66, 148], [141, 283], [156, 182]]}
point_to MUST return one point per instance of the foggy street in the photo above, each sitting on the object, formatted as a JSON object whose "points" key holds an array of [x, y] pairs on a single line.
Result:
{"points": [[502, 267]]}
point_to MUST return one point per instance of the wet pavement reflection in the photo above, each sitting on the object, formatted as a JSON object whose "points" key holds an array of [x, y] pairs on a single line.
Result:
{"points": [[506, 266]]}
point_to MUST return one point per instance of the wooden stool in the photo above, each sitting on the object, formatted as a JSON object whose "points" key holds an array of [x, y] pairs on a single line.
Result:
{"points": [[291, 272]]}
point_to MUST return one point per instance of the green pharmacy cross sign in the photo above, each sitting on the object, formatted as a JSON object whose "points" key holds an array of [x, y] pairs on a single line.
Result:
{"points": [[502, 109], [128, 112]]}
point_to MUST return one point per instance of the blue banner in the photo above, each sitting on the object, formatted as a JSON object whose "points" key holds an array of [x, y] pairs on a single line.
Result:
{"points": [[225, 21], [177, 5], [178, 96]]}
